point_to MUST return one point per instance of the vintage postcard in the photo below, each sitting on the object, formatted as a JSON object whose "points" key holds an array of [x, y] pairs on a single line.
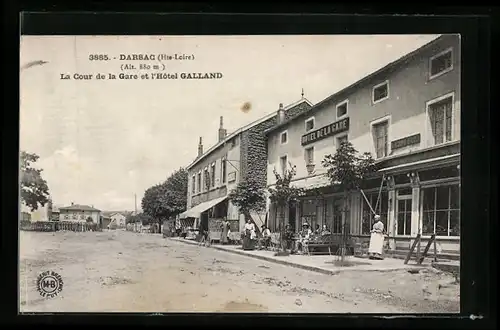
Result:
{"points": [[265, 174]]}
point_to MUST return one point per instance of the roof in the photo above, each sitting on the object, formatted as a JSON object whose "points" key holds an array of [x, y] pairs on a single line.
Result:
{"points": [[359, 82], [77, 207], [244, 128], [110, 213]]}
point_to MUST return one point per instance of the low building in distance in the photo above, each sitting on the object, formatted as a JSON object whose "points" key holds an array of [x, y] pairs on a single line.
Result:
{"points": [[81, 213]]}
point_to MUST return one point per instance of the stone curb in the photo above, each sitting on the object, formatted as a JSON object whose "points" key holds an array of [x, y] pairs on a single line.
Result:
{"points": [[296, 265]]}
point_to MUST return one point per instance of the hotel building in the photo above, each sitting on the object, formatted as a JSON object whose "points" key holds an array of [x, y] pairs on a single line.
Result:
{"points": [[407, 115]]}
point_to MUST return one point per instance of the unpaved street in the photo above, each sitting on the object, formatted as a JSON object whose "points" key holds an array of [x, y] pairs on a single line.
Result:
{"points": [[131, 272]]}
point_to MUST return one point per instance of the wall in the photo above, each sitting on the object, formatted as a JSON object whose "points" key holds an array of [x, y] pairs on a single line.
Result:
{"points": [[409, 90]]}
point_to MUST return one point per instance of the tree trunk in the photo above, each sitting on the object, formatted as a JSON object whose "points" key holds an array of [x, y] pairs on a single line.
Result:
{"points": [[344, 234]]}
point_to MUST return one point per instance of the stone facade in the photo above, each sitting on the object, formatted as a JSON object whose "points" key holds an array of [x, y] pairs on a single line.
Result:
{"points": [[254, 145]]}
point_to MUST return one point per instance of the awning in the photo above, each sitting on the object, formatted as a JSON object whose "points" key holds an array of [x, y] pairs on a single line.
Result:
{"points": [[426, 163], [197, 210], [312, 182]]}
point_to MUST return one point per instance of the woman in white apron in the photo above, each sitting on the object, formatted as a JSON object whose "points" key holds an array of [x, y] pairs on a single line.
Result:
{"points": [[376, 240]]}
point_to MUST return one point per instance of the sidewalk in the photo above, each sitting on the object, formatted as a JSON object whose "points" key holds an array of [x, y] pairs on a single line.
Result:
{"points": [[322, 264]]}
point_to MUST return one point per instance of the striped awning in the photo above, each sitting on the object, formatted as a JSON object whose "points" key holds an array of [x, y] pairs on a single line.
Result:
{"points": [[189, 222], [197, 210]]}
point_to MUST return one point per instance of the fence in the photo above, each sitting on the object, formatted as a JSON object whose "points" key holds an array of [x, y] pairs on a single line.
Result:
{"points": [[48, 226]]}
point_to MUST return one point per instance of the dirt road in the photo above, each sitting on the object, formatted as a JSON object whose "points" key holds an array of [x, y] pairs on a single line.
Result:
{"points": [[131, 272]]}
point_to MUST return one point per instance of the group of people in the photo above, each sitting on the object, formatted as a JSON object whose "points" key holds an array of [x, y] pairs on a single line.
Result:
{"points": [[249, 236]]}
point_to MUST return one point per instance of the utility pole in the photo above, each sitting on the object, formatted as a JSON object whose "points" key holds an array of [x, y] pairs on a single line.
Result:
{"points": [[135, 203]]}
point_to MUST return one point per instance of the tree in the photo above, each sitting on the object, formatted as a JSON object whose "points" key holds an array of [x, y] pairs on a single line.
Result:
{"points": [[249, 196], [347, 170], [34, 189], [281, 195], [167, 199]]}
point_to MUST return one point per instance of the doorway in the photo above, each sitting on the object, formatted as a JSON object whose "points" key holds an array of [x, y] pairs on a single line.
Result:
{"points": [[403, 215]]}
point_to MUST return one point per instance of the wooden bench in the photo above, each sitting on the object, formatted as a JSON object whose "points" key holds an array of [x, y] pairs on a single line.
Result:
{"points": [[326, 241]]}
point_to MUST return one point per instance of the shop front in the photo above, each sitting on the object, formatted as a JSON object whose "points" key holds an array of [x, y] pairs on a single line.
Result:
{"points": [[425, 201]]}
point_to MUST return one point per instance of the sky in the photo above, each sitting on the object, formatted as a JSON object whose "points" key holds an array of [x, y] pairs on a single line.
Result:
{"points": [[101, 142]]}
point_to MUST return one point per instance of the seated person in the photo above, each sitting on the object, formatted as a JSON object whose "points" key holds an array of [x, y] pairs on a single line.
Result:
{"points": [[266, 236], [317, 231], [305, 235], [325, 231]]}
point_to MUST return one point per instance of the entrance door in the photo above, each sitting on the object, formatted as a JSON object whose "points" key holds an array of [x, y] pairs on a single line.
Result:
{"points": [[403, 215]]}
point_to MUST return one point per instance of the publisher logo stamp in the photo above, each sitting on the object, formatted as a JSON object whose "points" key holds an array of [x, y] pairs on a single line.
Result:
{"points": [[49, 284]]}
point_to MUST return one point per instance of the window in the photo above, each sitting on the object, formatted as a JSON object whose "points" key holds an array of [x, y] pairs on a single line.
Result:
{"points": [[199, 181], [284, 137], [342, 109], [340, 140], [193, 184], [309, 212], [283, 164], [206, 177], [380, 92], [380, 132], [212, 175], [309, 124], [234, 142], [441, 63], [309, 155], [440, 116], [66, 216], [224, 169], [404, 217], [381, 209], [441, 210]]}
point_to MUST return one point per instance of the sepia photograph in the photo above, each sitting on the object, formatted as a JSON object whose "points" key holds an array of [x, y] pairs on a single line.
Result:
{"points": [[240, 173]]}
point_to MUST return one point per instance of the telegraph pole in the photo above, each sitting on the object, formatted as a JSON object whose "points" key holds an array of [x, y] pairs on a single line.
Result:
{"points": [[135, 203]]}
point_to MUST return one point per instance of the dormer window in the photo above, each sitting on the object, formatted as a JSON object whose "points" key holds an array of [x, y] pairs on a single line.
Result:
{"points": [[309, 124], [342, 109], [380, 92], [441, 63]]}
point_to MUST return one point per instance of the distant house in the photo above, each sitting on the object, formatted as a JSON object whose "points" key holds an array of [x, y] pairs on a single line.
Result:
{"points": [[54, 216], [105, 220], [81, 213], [118, 218], [25, 216], [115, 218]]}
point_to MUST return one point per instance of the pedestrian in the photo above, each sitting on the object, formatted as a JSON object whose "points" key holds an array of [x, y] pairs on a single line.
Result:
{"points": [[249, 235], [376, 247], [266, 236], [225, 229]]}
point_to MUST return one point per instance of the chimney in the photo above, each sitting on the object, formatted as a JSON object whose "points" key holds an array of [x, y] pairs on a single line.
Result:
{"points": [[200, 148], [222, 131], [72, 204], [281, 114]]}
